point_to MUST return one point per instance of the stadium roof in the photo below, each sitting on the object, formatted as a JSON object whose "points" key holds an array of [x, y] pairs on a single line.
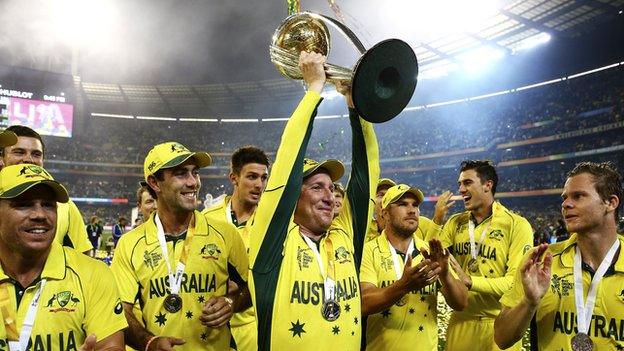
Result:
{"points": [[234, 43]]}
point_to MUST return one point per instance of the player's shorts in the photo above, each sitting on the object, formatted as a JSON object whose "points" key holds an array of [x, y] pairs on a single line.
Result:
{"points": [[472, 334], [246, 336]]}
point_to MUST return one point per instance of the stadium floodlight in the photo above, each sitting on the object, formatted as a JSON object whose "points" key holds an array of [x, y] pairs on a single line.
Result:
{"points": [[82, 23], [479, 58], [157, 118], [533, 41], [111, 115], [188, 119], [238, 120]]}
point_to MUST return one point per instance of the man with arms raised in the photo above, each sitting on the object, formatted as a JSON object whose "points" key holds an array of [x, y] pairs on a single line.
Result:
{"points": [[51, 297], [70, 227], [304, 266], [488, 242], [400, 297], [178, 264], [572, 292], [249, 171]]}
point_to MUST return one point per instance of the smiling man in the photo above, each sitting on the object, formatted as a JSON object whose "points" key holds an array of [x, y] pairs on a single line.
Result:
{"points": [[51, 297], [249, 171], [304, 262], [572, 292], [487, 241], [177, 264], [29, 149]]}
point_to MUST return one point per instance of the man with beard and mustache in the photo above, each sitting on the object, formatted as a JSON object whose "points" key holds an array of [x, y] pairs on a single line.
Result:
{"points": [[399, 276], [487, 242], [177, 264], [249, 171], [572, 292]]}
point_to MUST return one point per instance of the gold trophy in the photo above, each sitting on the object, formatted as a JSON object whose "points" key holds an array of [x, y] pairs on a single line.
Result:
{"points": [[382, 81]]}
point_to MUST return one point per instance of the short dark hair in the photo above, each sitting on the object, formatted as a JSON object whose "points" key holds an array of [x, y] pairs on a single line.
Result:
{"points": [[160, 176], [485, 171], [23, 131], [245, 155], [607, 180]]}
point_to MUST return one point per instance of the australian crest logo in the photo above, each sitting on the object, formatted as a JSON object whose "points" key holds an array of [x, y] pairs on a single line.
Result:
{"points": [[496, 235], [210, 251], [560, 286], [152, 259], [342, 255], [64, 301], [33, 171], [178, 148], [303, 258]]}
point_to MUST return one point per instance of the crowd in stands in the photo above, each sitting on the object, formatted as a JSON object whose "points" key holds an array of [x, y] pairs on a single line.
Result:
{"points": [[408, 144]]}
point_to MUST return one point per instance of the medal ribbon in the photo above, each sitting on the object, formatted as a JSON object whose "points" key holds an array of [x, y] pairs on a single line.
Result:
{"points": [[395, 258], [329, 276], [175, 280], [584, 311], [10, 320], [474, 248]]}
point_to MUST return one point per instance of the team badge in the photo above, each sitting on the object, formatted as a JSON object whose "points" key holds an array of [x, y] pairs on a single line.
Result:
{"points": [[342, 255], [303, 259], [210, 251]]}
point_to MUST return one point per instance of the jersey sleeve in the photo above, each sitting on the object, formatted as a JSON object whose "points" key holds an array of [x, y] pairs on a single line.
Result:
{"points": [[77, 230], [368, 273], [515, 294], [104, 311], [238, 262], [521, 240], [269, 225], [123, 273], [446, 234], [359, 200]]}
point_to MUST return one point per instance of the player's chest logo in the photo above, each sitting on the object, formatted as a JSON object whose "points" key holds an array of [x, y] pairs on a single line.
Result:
{"points": [[210, 252], [303, 257], [387, 264], [342, 255], [64, 301], [152, 259], [561, 286]]}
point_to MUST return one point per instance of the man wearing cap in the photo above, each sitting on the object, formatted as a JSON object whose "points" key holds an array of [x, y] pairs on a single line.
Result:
{"points": [[304, 262], [51, 297], [7, 138], [398, 279], [29, 149], [177, 264], [249, 171], [487, 241], [339, 194], [427, 228]]}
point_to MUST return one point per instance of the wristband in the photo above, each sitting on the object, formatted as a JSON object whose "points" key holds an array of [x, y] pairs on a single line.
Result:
{"points": [[154, 337]]}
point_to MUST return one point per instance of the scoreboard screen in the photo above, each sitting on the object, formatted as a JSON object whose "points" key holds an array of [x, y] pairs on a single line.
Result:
{"points": [[38, 99]]}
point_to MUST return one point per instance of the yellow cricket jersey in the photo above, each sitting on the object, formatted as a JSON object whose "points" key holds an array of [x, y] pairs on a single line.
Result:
{"points": [[216, 253], [508, 238], [427, 229], [411, 323], [218, 213], [70, 228], [555, 318], [286, 284], [79, 298]]}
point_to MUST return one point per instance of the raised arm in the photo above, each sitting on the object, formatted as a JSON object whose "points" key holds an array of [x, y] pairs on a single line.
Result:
{"points": [[359, 201], [532, 282]]}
